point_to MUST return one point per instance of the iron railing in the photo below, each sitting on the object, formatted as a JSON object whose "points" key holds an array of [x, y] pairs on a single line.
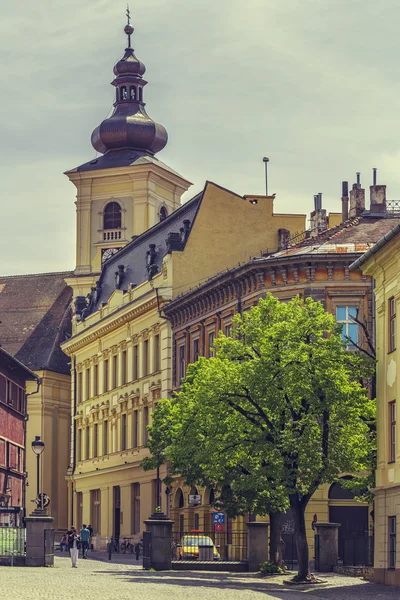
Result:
{"points": [[393, 206], [227, 545], [12, 541]]}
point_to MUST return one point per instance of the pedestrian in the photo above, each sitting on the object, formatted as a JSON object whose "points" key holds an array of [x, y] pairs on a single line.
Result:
{"points": [[74, 545], [91, 535], [85, 537], [63, 543]]}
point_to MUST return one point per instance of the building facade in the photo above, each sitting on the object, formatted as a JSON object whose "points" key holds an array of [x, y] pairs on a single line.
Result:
{"points": [[381, 263], [13, 415]]}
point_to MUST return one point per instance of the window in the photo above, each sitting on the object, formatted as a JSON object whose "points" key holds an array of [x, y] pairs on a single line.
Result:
{"points": [[156, 353], [95, 440], [211, 337], [132, 92], [345, 316], [181, 364], [392, 431], [106, 382], [135, 429], [95, 380], [87, 443], [392, 542], [227, 329], [392, 324], [145, 357], [136, 528], [79, 387], [145, 424], [79, 445], [163, 213], [140, 94], [105, 438], [87, 386], [114, 371], [123, 367], [112, 215], [95, 511], [123, 432], [135, 362], [196, 344], [123, 93]]}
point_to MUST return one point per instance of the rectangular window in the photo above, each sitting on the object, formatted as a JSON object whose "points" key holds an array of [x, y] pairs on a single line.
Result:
{"points": [[196, 345], [106, 378], [105, 438], [145, 424], [79, 387], [135, 363], [87, 443], [145, 357], [211, 338], [344, 316], [123, 367], [181, 364], [95, 511], [156, 353], [79, 445], [95, 440], [392, 542], [392, 324], [3, 389], [95, 380], [87, 390], [136, 525], [114, 371], [392, 431], [227, 329], [135, 429], [123, 432]]}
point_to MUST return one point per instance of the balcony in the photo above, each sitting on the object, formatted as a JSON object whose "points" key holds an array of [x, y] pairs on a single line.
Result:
{"points": [[111, 235]]}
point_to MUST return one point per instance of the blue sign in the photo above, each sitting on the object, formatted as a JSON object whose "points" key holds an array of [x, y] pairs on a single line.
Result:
{"points": [[218, 518]]}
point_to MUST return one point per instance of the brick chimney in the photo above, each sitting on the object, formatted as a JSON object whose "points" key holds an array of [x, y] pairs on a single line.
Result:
{"points": [[357, 199], [318, 218], [377, 196], [345, 200]]}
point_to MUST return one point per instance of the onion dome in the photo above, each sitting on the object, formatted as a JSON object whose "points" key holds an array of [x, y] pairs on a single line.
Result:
{"points": [[129, 126]]}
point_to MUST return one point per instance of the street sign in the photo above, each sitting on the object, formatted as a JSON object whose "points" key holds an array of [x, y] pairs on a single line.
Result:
{"points": [[218, 527], [218, 518]]}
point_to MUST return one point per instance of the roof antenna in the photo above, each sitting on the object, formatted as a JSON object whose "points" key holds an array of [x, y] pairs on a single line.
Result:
{"points": [[358, 179], [266, 161]]}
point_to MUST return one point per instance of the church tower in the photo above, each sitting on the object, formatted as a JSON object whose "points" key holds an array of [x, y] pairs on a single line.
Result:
{"points": [[125, 190]]}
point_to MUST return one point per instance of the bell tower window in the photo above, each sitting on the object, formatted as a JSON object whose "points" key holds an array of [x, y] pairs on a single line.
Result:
{"points": [[132, 92], [123, 93], [112, 216], [140, 94], [163, 213]]}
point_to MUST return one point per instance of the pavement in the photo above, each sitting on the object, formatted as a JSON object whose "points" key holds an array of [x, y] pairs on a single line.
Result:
{"points": [[97, 580]]}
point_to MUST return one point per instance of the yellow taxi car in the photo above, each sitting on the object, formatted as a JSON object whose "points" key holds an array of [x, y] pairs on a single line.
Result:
{"points": [[189, 546]]}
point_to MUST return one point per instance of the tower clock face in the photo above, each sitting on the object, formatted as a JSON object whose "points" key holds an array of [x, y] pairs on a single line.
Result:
{"points": [[107, 253]]}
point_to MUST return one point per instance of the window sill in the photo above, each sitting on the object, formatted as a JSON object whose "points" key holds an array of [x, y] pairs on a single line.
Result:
{"points": [[391, 462]]}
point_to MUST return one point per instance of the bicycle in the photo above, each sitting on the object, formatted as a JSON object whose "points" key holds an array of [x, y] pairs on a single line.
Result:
{"points": [[126, 547], [113, 545]]}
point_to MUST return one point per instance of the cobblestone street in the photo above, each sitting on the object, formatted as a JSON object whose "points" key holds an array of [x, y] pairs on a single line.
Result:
{"points": [[94, 580]]}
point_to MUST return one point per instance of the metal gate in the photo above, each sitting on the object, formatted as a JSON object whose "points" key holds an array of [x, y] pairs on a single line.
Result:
{"points": [[49, 535], [146, 550]]}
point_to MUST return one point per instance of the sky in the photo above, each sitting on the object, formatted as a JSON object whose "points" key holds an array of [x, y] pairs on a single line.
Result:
{"points": [[312, 84]]}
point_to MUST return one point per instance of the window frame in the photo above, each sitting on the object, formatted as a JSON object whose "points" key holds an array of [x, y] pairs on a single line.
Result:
{"points": [[392, 527], [391, 324], [349, 320], [392, 431], [112, 219], [181, 362]]}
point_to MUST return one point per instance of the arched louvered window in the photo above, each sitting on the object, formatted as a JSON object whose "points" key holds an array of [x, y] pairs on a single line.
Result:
{"points": [[112, 216]]}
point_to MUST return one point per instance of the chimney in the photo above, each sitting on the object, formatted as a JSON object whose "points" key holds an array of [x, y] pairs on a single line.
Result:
{"points": [[357, 199], [377, 196], [318, 218], [283, 238], [345, 200]]}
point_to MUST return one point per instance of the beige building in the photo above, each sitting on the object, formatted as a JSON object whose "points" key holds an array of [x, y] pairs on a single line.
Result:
{"points": [[381, 262]]}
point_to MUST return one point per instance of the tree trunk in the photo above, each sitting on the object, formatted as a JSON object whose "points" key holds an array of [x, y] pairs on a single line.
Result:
{"points": [[298, 507], [275, 539]]}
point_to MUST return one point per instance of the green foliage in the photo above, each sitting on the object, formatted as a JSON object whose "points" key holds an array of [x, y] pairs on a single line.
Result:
{"points": [[270, 568], [278, 411]]}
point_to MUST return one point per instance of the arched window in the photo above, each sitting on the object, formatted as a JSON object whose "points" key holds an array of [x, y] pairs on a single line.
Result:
{"points": [[179, 501], [112, 216], [123, 95], [163, 213], [132, 92], [338, 492], [140, 94]]}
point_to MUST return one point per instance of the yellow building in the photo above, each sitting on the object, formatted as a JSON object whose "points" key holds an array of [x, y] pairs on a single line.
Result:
{"points": [[381, 263]]}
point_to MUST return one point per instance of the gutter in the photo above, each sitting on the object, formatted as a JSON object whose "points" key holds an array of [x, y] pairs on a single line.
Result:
{"points": [[379, 244]]}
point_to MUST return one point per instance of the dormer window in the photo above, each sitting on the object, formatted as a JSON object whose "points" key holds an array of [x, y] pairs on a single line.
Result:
{"points": [[112, 216], [132, 93]]}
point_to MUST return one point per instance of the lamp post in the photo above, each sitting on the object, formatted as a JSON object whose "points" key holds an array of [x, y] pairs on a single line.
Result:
{"points": [[38, 447]]}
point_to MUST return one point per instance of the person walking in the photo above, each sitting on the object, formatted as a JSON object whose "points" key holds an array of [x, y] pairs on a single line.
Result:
{"points": [[85, 537], [74, 546]]}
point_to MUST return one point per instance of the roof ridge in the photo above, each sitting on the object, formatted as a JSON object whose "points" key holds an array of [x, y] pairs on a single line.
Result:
{"points": [[63, 273]]}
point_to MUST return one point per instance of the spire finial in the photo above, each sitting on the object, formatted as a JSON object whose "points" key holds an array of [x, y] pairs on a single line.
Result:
{"points": [[128, 27]]}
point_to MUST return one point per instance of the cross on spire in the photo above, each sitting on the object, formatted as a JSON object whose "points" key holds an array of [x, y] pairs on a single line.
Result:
{"points": [[128, 27], [128, 14]]}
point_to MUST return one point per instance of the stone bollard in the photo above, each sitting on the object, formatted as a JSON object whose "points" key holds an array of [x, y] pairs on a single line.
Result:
{"points": [[36, 524], [327, 549], [160, 527], [257, 544]]}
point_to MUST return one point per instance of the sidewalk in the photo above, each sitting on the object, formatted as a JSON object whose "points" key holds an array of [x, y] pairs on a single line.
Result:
{"points": [[118, 559]]}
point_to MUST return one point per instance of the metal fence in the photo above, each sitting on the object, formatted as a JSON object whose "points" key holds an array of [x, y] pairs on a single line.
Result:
{"points": [[225, 545], [12, 541], [357, 550]]}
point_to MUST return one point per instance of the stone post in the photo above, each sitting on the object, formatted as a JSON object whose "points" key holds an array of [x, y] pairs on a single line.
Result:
{"points": [[327, 547], [257, 544], [160, 527], [36, 523]]}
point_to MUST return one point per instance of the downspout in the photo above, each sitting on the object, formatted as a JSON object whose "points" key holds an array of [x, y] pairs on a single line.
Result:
{"points": [[26, 418], [73, 441]]}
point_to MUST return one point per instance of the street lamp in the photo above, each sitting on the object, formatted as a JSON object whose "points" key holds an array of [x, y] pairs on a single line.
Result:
{"points": [[38, 447]]}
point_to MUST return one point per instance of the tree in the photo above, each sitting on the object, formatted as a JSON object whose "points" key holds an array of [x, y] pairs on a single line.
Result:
{"points": [[279, 410]]}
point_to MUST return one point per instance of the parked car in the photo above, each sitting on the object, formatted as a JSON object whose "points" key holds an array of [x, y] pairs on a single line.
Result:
{"points": [[189, 546]]}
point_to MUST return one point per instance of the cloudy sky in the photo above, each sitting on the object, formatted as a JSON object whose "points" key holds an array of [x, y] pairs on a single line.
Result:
{"points": [[313, 84]]}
